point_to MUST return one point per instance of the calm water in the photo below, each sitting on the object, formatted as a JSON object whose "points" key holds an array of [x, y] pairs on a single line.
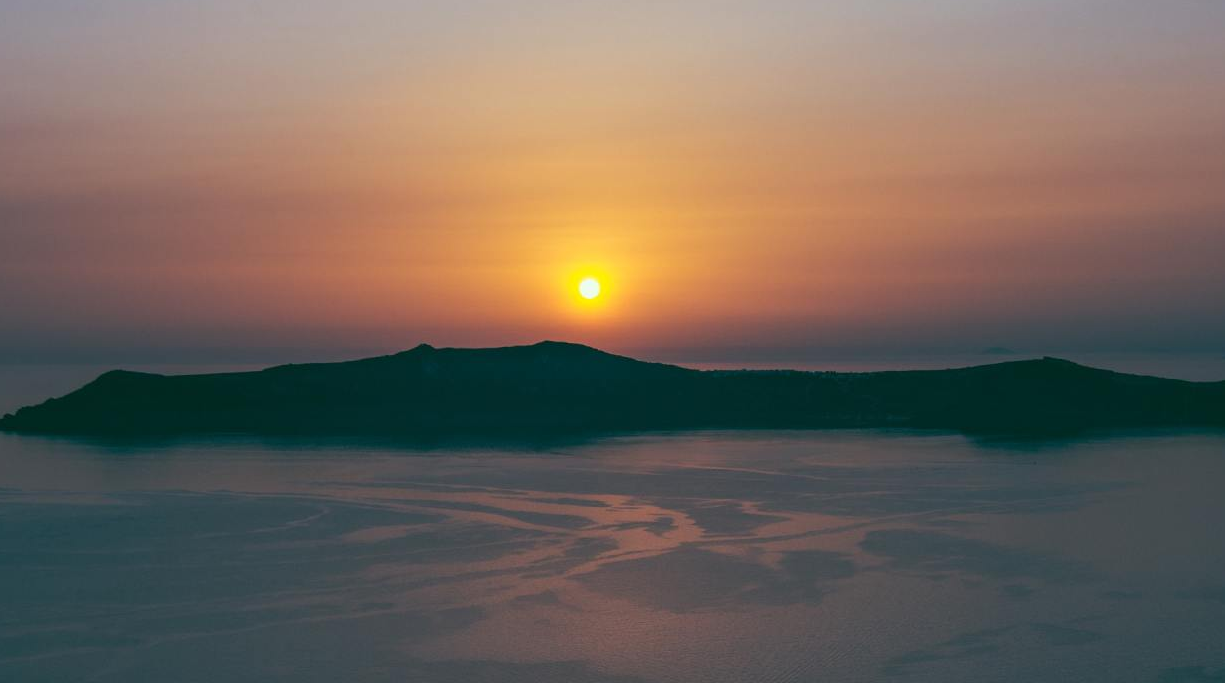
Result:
{"points": [[693, 557]]}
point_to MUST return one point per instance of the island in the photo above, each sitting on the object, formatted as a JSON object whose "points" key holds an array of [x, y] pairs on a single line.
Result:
{"points": [[559, 388]]}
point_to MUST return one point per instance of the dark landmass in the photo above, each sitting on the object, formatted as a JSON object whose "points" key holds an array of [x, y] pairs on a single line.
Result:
{"points": [[556, 388]]}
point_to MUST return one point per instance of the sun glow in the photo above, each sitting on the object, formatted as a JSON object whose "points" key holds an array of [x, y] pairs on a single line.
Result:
{"points": [[589, 288]]}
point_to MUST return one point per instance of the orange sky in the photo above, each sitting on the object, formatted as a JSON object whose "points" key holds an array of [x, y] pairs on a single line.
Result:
{"points": [[228, 181]]}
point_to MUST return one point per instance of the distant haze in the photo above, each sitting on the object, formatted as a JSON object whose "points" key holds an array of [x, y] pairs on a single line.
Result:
{"points": [[184, 182]]}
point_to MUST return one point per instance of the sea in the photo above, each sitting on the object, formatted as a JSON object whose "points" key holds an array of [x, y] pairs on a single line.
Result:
{"points": [[670, 557]]}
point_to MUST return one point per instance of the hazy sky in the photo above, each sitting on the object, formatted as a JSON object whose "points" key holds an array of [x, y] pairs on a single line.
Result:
{"points": [[229, 180]]}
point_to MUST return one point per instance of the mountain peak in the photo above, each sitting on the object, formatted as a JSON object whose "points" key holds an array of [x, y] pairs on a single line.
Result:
{"points": [[419, 348]]}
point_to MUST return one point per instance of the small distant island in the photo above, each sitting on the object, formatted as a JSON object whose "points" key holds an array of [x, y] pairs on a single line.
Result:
{"points": [[556, 387]]}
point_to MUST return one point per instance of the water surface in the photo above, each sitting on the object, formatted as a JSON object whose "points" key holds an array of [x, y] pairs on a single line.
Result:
{"points": [[692, 557]]}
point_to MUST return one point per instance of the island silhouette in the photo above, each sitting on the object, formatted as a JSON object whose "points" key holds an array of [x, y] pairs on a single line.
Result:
{"points": [[556, 387]]}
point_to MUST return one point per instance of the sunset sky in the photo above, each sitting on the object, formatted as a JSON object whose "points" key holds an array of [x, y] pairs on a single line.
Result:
{"points": [[243, 180]]}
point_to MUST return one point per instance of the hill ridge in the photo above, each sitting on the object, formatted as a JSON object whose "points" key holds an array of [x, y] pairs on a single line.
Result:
{"points": [[554, 387]]}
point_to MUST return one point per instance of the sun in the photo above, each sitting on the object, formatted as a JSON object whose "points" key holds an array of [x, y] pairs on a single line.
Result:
{"points": [[589, 288]]}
